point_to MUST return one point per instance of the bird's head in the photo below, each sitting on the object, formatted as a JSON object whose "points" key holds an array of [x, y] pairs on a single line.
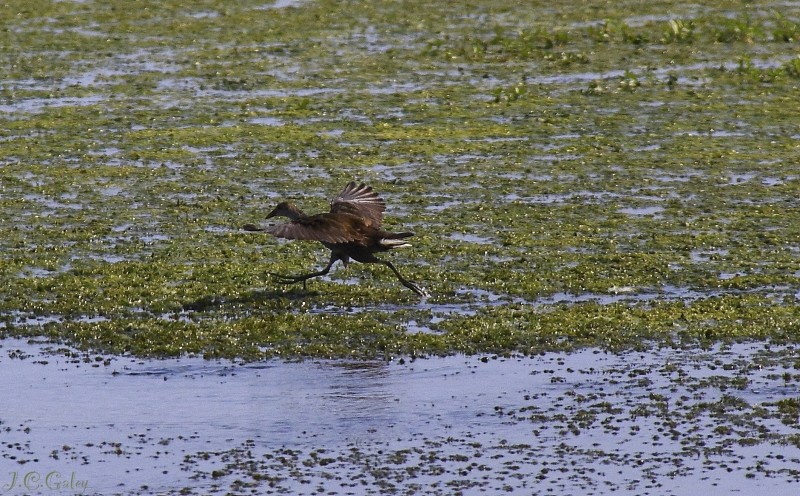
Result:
{"points": [[285, 209]]}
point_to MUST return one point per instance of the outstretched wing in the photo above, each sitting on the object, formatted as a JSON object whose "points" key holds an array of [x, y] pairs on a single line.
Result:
{"points": [[327, 228], [360, 201]]}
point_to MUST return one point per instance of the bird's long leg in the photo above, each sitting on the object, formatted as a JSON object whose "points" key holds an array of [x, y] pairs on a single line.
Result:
{"points": [[293, 279], [405, 282]]}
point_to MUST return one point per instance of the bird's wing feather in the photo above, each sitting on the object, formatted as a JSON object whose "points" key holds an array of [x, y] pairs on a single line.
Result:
{"points": [[360, 201], [327, 228]]}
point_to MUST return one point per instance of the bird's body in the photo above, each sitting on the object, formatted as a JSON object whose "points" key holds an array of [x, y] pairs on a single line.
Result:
{"points": [[351, 230]]}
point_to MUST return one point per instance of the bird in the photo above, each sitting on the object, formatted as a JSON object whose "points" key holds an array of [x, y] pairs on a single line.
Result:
{"points": [[351, 230]]}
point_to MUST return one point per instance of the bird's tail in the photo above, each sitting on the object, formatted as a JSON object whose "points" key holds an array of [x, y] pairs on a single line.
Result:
{"points": [[395, 240]]}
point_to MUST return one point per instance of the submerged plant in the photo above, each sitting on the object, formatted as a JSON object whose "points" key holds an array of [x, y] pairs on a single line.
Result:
{"points": [[785, 30], [739, 29], [510, 94], [679, 31], [792, 68]]}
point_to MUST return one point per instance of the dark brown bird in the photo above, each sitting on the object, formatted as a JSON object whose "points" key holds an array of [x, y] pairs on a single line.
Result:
{"points": [[351, 230]]}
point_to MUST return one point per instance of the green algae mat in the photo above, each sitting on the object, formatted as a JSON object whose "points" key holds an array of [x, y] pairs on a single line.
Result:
{"points": [[603, 174]]}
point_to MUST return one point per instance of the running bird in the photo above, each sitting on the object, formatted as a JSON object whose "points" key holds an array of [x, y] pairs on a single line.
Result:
{"points": [[351, 230]]}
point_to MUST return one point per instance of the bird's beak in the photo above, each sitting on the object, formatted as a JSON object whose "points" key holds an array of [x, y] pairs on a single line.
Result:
{"points": [[272, 214]]}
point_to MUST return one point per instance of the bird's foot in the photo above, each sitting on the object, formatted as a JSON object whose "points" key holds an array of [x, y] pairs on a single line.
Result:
{"points": [[282, 279], [285, 279], [417, 289]]}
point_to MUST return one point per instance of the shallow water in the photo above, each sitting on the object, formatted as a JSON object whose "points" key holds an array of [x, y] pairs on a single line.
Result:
{"points": [[661, 422]]}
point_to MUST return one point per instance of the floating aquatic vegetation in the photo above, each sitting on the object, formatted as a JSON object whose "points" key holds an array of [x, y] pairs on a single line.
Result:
{"points": [[563, 172]]}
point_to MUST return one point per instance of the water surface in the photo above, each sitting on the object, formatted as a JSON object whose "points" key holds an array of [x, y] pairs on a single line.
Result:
{"points": [[661, 422]]}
